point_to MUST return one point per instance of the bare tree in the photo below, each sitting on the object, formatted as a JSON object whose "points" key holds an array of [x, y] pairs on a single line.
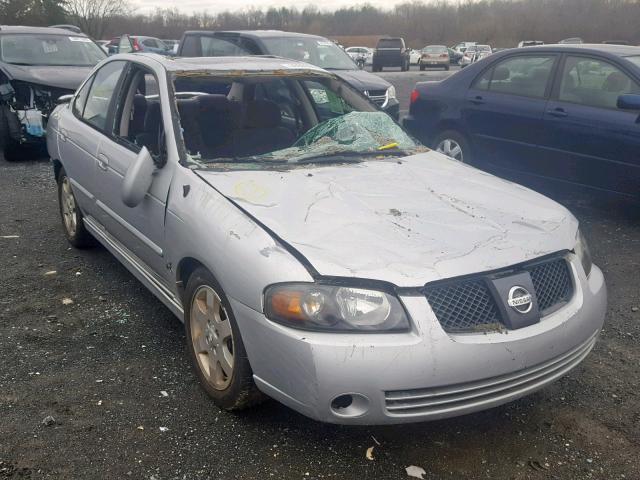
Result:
{"points": [[95, 16]]}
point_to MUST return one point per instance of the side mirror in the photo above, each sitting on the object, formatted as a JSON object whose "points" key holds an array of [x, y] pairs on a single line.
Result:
{"points": [[64, 98], [138, 179], [629, 101]]}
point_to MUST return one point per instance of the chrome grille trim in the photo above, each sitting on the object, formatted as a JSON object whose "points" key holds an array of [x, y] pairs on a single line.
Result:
{"points": [[461, 396]]}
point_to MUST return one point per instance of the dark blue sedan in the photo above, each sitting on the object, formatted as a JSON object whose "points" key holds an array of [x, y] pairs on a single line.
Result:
{"points": [[569, 113]]}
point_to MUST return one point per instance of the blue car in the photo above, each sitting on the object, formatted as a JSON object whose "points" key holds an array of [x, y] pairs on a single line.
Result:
{"points": [[567, 113]]}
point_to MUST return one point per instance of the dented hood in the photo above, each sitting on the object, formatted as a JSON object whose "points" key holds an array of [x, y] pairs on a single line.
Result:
{"points": [[409, 221], [60, 77]]}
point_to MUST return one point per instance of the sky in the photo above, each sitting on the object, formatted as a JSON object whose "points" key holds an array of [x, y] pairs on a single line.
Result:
{"points": [[216, 6]]}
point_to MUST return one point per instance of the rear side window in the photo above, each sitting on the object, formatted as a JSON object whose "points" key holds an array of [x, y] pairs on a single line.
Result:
{"points": [[101, 93], [526, 76], [594, 82], [150, 42], [222, 47]]}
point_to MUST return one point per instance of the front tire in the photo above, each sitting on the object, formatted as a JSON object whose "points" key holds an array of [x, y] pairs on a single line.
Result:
{"points": [[454, 145], [215, 345], [71, 215]]}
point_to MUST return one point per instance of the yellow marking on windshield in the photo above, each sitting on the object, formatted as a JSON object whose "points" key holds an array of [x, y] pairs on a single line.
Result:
{"points": [[389, 146]]}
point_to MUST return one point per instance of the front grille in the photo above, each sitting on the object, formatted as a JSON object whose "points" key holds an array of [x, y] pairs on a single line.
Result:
{"points": [[379, 97], [469, 306], [552, 282], [464, 306], [450, 400]]}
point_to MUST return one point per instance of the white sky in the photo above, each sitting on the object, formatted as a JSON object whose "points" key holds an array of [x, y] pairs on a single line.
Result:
{"points": [[216, 6]]}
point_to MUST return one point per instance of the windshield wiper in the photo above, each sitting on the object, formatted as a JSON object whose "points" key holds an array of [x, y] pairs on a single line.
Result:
{"points": [[351, 157]]}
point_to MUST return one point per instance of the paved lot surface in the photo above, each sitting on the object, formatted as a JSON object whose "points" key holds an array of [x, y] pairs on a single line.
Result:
{"points": [[98, 367], [405, 81]]}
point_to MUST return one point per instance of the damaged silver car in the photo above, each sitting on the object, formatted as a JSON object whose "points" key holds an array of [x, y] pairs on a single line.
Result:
{"points": [[37, 67], [315, 252]]}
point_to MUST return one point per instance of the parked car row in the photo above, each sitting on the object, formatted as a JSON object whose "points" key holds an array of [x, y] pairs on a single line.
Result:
{"points": [[367, 251]]}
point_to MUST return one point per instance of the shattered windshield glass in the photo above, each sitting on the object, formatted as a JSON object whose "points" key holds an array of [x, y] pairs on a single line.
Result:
{"points": [[352, 134], [270, 120]]}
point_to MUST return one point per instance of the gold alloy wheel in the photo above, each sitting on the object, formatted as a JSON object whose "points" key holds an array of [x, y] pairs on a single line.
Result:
{"points": [[212, 337]]}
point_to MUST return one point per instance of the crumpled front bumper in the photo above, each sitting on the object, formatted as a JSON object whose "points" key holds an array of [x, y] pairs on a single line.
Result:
{"points": [[424, 374]]}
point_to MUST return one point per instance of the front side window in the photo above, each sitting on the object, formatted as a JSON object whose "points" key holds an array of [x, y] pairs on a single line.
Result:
{"points": [[81, 99], [138, 113], [594, 82], [102, 89], [526, 75], [49, 50]]}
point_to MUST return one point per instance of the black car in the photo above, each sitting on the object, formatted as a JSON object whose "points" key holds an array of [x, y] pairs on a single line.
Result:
{"points": [[568, 113], [37, 66], [312, 49], [391, 52]]}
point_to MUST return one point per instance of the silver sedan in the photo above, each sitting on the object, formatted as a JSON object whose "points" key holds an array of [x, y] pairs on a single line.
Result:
{"points": [[315, 253]]}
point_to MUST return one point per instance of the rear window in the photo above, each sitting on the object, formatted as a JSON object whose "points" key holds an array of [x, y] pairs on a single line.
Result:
{"points": [[635, 59], [434, 49], [390, 43]]}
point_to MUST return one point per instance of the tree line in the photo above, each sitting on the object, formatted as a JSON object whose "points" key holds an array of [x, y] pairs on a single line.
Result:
{"points": [[501, 23]]}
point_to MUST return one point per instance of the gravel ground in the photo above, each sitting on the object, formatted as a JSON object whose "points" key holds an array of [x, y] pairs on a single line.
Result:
{"points": [[95, 380]]}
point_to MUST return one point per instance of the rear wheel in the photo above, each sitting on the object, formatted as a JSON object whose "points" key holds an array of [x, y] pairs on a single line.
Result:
{"points": [[72, 218], [215, 345], [454, 145], [422, 67]]}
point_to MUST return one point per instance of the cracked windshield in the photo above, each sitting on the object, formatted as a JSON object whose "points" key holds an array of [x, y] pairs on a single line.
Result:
{"points": [[296, 120]]}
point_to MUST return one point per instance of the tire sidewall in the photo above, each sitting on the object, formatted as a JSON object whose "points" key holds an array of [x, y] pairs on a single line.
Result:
{"points": [[227, 398]]}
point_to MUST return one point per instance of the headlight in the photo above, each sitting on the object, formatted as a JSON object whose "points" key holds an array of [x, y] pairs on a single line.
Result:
{"points": [[391, 92], [582, 252], [334, 308]]}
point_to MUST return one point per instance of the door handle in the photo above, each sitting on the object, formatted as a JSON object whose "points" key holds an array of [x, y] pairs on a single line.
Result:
{"points": [[103, 162], [63, 135], [558, 112], [477, 100]]}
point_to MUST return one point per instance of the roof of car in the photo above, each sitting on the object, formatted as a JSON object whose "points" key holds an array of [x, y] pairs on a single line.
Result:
{"points": [[38, 30], [619, 50], [257, 63], [253, 33]]}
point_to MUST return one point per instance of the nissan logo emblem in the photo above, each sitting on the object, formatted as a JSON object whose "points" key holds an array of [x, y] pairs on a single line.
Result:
{"points": [[520, 299]]}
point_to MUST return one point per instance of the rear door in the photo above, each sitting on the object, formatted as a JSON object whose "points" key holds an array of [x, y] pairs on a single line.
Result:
{"points": [[504, 108], [587, 140], [80, 129]]}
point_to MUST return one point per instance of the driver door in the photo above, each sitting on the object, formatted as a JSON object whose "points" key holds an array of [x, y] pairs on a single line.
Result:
{"points": [[137, 122]]}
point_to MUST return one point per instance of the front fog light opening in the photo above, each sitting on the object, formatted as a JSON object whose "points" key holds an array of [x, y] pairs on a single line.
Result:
{"points": [[350, 405]]}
